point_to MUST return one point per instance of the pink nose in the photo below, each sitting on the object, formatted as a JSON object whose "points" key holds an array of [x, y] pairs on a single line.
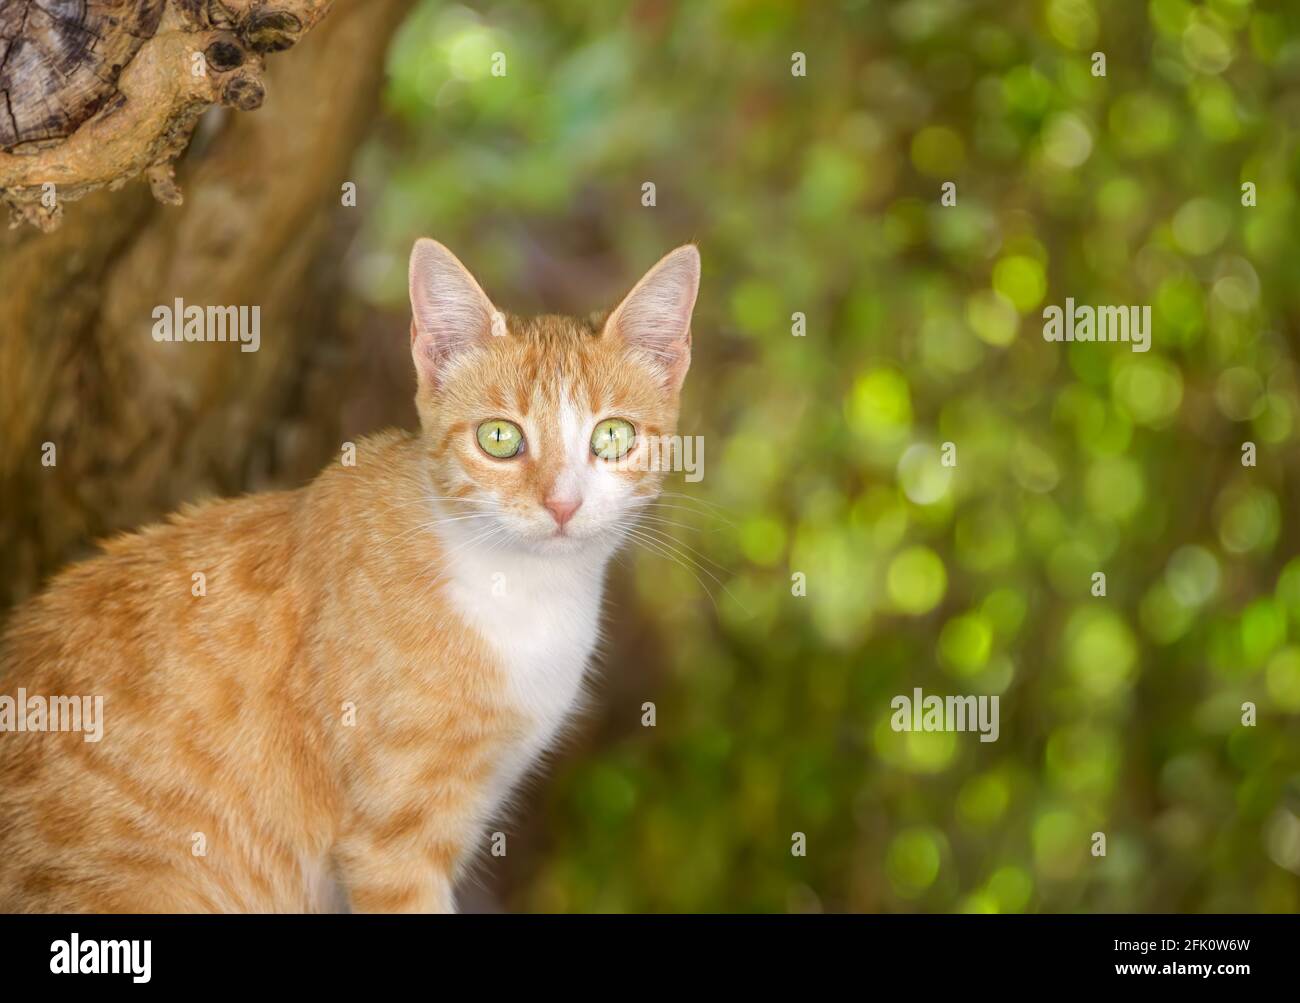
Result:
{"points": [[562, 510]]}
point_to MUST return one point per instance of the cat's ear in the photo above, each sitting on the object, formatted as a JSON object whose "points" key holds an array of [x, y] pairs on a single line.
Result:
{"points": [[450, 311], [656, 315]]}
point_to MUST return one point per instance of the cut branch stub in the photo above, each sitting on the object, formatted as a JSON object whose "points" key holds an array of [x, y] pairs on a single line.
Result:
{"points": [[95, 93], [224, 53], [243, 91], [270, 30]]}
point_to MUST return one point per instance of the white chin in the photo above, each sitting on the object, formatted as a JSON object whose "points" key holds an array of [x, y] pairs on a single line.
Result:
{"points": [[554, 543]]}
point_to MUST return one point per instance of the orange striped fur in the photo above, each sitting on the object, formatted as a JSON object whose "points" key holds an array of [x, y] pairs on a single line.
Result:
{"points": [[372, 660]]}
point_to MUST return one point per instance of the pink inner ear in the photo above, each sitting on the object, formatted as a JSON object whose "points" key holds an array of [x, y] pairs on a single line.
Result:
{"points": [[450, 311], [656, 315]]}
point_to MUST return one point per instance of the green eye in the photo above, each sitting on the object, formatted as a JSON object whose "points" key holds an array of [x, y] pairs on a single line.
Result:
{"points": [[501, 439], [613, 437]]}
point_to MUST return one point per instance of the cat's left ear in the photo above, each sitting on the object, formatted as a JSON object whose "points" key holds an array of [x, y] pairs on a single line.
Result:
{"points": [[450, 311], [656, 315]]}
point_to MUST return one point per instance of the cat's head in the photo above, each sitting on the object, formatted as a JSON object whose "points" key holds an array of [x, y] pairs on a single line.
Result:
{"points": [[542, 428]]}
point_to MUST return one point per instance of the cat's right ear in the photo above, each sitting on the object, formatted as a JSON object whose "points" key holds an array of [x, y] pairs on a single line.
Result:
{"points": [[450, 311]]}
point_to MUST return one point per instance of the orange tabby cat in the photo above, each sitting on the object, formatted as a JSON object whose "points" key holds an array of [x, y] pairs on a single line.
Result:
{"points": [[317, 699]]}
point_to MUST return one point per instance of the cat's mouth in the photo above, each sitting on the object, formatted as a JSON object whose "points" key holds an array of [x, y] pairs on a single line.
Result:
{"points": [[561, 540]]}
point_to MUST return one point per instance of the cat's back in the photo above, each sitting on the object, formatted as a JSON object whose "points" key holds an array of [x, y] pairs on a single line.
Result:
{"points": [[175, 646], [145, 591]]}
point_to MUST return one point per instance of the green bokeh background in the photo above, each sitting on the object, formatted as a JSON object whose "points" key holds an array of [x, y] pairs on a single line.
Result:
{"points": [[821, 195]]}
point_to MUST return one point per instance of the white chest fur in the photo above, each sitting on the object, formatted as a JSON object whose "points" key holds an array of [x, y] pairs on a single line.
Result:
{"points": [[540, 616]]}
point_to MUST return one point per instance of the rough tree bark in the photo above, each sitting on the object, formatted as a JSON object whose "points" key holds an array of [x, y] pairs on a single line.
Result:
{"points": [[140, 426], [96, 92]]}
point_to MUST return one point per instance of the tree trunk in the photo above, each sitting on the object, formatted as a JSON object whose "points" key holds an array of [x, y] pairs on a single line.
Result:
{"points": [[137, 426]]}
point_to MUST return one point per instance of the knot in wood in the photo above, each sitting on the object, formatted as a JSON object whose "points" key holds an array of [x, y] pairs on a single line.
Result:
{"points": [[243, 91]]}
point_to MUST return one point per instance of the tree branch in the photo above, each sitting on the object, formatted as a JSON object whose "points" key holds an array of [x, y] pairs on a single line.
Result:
{"points": [[112, 91]]}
